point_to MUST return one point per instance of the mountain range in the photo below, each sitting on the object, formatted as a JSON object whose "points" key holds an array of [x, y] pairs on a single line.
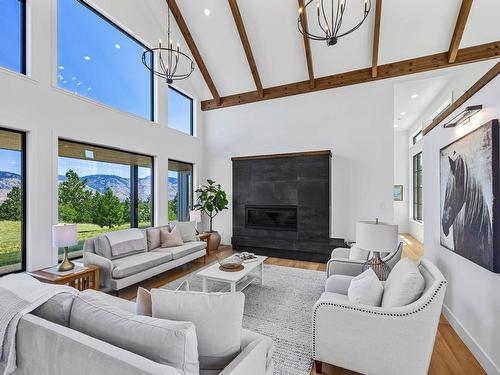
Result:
{"points": [[120, 186]]}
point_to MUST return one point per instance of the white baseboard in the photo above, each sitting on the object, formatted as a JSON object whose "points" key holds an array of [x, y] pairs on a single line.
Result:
{"points": [[482, 357]]}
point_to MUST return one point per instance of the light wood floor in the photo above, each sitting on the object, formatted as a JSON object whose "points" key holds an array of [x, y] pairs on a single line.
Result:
{"points": [[450, 355]]}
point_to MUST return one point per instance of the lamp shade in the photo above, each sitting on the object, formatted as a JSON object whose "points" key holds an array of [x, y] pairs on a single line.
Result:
{"points": [[195, 215], [64, 235], [376, 236]]}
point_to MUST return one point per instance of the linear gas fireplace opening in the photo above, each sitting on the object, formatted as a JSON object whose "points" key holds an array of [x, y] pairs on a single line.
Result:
{"points": [[272, 217]]}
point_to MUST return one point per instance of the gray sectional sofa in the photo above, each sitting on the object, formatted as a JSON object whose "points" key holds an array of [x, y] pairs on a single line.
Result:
{"points": [[129, 256]]}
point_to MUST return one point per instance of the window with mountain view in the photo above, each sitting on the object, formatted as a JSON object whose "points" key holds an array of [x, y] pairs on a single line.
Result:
{"points": [[180, 111], [12, 192], [103, 190], [12, 41], [100, 61], [180, 190]]}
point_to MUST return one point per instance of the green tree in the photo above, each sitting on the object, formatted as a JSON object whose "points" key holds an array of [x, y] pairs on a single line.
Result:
{"points": [[108, 210], [126, 211], [145, 210], [172, 208], [75, 199], [11, 208]]}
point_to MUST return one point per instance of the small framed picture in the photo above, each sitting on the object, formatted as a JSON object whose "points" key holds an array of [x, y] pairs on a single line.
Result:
{"points": [[398, 192]]}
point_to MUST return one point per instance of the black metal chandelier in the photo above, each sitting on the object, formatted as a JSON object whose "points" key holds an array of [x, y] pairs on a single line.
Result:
{"points": [[172, 64], [329, 20]]}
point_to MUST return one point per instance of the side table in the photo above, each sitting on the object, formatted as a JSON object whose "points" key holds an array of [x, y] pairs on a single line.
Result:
{"points": [[205, 237], [80, 277]]}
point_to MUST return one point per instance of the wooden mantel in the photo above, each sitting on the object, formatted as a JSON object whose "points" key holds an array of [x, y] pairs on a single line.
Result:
{"points": [[285, 155]]}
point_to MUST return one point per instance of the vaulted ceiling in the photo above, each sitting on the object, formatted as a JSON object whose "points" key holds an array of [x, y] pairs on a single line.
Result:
{"points": [[408, 29]]}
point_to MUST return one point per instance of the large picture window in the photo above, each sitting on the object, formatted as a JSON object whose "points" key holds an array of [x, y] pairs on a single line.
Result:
{"points": [[180, 111], [12, 31], [180, 190], [418, 201], [103, 190], [100, 61], [12, 201]]}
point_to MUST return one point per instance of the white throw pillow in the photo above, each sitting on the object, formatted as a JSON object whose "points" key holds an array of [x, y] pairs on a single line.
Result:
{"points": [[187, 229], [218, 318], [404, 285], [366, 289], [358, 254]]}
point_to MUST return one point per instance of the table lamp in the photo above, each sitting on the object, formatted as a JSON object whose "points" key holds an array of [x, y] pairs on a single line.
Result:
{"points": [[377, 237], [195, 215], [64, 235]]}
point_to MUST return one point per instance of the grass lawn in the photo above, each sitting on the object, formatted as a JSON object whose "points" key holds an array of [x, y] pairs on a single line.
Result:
{"points": [[10, 239]]}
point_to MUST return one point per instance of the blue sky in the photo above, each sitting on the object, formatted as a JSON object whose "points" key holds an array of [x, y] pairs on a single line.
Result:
{"points": [[179, 112], [10, 34], [90, 167], [10, 161]]}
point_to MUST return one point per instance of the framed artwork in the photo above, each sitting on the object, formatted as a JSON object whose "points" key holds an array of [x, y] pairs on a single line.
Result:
{"points": [[397, 193], [469, 193]]}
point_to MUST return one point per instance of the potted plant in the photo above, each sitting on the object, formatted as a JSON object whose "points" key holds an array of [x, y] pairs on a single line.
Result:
{"points": [[211, 200]]}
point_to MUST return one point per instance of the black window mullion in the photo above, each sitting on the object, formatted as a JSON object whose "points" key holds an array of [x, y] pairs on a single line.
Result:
{"points": [[134, 196]]}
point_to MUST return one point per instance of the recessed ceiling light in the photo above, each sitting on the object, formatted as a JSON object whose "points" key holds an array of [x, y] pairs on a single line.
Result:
{"points": [[414, 96], [207, 12], [86, 58], [403, 113], [117, 46]]}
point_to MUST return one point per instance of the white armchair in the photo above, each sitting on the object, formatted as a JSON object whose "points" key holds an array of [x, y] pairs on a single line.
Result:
{"points": [[340, 264], [376, 340]]}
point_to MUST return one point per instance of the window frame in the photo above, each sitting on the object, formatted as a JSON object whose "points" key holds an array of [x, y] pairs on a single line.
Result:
{"points": [[417, 137], [416, 201], [23, 44], [134, 204], [152, 108], [23, 200], [191, 111], [192, 182]]}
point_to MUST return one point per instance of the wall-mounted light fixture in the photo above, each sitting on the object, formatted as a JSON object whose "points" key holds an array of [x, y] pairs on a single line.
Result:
{"points": [[464, 116]]}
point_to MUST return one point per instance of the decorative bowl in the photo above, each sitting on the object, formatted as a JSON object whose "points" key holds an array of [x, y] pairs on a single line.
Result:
{"points": [[229, 262]]}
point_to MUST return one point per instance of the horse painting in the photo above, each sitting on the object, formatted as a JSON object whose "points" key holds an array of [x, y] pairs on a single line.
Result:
{"points": [[467, 197]]}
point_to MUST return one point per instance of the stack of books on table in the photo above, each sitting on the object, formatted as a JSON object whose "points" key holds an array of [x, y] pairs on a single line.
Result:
{"points": [[247, 257]]}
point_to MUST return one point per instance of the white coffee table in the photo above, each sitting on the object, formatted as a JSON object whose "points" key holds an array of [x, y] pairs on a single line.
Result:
{"points": [[237, 280]]}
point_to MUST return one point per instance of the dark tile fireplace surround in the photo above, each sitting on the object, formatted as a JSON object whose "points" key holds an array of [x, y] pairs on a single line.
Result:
{"points": [[281, 205]]}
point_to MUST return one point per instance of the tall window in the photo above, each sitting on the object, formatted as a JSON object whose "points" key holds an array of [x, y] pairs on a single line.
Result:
{"points": [[12, 201], [418, 202], [180, 111], [98, 60], [103, 190], [417, 137], [180, 190], [12, 31]]}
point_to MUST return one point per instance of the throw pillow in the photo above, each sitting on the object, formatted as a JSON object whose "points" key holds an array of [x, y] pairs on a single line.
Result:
{"points": [[171, 239], [143, 302], [404, 285], [162, 341], [217, 317], [366, 289], [358, 254], [153, 237], [187, 229]]}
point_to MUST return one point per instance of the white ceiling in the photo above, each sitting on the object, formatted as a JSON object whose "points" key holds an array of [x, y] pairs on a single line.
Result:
{"points": [[409, 29]]}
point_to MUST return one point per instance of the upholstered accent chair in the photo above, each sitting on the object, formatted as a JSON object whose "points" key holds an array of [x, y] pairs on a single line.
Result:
{"points": [[378, 340], [343, 262]]}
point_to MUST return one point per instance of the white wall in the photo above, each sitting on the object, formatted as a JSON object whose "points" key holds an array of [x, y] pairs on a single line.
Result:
{"points": [[354, 122], [472, 302], [33, 104], [401, 214]]}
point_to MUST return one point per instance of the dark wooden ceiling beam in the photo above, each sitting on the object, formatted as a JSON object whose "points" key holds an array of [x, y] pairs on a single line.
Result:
{"points": [[246, 45], [376, 37], [307, 45], [194, 50], [483, 81], [459, 29], [396, 69]]}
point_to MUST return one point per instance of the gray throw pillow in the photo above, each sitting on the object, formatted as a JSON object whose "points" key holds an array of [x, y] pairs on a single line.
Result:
{"points": [[153, 236], [187, 228]]}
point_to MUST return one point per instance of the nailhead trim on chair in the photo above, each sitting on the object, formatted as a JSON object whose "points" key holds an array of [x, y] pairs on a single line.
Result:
{"points": [[369, 312]]}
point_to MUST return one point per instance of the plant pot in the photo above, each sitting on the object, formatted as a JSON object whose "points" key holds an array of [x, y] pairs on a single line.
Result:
{"points": [[214, 240]]}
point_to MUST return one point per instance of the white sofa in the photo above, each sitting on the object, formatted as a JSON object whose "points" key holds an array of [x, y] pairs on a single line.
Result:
{"points": [[376, 340], [150, 260], [47, 344], [340, 264]]}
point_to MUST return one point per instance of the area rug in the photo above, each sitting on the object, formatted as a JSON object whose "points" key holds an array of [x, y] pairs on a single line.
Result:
{"points": [[280, 309]]}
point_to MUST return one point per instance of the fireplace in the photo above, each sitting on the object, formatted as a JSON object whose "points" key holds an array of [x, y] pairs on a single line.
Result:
{"points": [[272, 217]]}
